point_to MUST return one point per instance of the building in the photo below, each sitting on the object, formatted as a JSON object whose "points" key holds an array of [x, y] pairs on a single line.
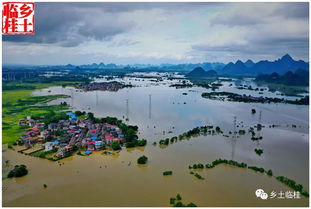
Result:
{"points": [[48, 146], [64, 151], [98, 145]]}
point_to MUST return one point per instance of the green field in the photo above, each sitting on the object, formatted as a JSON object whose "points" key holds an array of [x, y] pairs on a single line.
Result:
{"points": [[19, 103]]}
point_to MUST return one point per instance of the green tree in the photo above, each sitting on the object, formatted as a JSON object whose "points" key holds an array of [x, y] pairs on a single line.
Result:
{"points": [[18, 171], [142, 160], [115, 145], [178, 197]]}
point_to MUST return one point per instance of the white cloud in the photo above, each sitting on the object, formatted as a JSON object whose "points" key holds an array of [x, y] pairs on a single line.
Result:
{"points": [[164, 32]]}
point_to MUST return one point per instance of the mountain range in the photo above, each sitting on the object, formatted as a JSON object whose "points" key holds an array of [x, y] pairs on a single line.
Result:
{"points": [[299, 77], [280, 66], [199, 72], [239, 68]]}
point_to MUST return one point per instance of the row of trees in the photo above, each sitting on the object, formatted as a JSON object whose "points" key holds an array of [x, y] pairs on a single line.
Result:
{"points": [[289, 182], [292, 184], [191, 133], [176, 202]]}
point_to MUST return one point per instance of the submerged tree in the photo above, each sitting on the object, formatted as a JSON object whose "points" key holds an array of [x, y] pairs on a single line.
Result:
{"points": [[142, 160]]}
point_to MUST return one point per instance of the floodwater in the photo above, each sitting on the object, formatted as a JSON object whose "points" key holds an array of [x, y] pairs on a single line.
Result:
{"points": [[161, 111]]}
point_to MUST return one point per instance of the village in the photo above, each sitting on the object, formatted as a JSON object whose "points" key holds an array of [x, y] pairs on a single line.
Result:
{"points": [[103, 86], [68, 135]]}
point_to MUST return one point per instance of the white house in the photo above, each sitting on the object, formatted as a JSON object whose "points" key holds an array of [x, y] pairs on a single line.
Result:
{"points": [[48, 146]]}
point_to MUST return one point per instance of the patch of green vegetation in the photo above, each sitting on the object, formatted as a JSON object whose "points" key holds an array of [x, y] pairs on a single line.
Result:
{"points": [[198, 176], [18, 171], [19, 103], [233, 97], [167, 173], [176, 202], [135, 143], [259, 151], [292, 184], [142, 160], [197, 131], [289, 182], [115, 145], [43, 154]]}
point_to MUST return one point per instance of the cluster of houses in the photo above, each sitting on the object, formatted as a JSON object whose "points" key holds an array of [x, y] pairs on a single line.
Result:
{"points": [[104, 86], [71, 132]]}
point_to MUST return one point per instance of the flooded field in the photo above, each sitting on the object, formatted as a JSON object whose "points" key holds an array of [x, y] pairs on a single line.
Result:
{"points": [[161, 111]]}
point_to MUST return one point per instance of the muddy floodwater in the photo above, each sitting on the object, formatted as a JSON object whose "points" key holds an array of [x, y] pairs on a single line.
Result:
{"points": [[161, 111]]}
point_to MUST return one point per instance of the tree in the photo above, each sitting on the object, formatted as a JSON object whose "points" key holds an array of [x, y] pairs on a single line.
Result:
{"points": [[217, 129], [79, 113], [191, 205], [115, 145], [253, 111], [90, 116], [179, 204], [178, 197], [167, 173], [142, 160], [130, 135], [142, 142], [18, 171]]}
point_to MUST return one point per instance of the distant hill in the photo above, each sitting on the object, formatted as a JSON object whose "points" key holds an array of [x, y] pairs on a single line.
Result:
{"points": [[280, 66], [299, 78], [188, 67], [249, 63], [237, 68], [199, 72]]}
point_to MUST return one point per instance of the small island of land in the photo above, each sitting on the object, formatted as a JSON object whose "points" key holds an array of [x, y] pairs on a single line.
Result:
{"points": [[229, 96], [103, 86]]}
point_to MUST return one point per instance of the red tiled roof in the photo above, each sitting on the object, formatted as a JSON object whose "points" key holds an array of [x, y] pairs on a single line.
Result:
{"points": [[90, 142], [108, 137]]}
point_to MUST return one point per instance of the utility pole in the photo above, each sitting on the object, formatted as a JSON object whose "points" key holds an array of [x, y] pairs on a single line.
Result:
{"points": [[149, 106], [127, 110], [234, 138]]}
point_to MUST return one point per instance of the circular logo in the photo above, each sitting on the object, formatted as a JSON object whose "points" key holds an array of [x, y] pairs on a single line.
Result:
{"points": [[258, 192], [264, 196]]}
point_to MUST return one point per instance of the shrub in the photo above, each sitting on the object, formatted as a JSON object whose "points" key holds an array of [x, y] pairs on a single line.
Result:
{"points": [[269, 173], [166, 173], [198, 176], [191, 205], [259, 151], [142, 142], [142, 160], [18, 171], [178, 204], [178, 197], [115, 145]]}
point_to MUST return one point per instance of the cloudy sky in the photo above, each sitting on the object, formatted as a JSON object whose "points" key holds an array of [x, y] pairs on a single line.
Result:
{"points": [[154, 33]]}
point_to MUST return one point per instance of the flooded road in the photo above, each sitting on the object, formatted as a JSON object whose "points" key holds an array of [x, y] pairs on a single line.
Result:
{"points": [[161, 111]]}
